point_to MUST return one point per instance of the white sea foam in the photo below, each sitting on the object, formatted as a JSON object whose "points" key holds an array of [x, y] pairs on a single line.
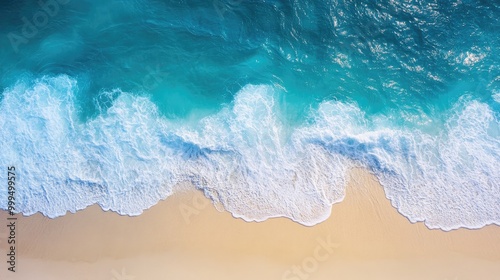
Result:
{"points": [[129, 157], [496, 95]]}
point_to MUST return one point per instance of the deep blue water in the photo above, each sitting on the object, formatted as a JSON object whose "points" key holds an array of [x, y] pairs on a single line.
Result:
{"points": [[264, 105]]}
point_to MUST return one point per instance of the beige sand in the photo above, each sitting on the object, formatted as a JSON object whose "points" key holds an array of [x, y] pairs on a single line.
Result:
{"points": [[184, 237]]}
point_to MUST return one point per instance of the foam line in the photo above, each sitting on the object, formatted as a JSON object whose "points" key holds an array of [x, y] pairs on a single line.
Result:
{"points": [[130, 157]]}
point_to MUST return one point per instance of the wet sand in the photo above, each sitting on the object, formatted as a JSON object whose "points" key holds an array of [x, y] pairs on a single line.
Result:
{"points": [[185, 237]]}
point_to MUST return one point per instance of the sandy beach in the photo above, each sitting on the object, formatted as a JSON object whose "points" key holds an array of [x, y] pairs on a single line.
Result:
{"points": [[185, 237]]}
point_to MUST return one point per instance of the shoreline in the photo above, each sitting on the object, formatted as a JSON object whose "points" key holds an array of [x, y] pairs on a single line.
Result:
{"points": [[363, 233], [187, 186]]}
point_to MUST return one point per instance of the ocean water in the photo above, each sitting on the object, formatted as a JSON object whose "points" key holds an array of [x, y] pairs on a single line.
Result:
{"points": [[264, 105]]}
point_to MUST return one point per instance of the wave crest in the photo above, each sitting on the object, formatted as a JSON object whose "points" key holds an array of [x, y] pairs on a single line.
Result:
{"points": [[244, 157]]}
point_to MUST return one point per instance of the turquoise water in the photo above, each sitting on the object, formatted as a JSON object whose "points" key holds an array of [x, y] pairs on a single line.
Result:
{"points": [[264, 105]]}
